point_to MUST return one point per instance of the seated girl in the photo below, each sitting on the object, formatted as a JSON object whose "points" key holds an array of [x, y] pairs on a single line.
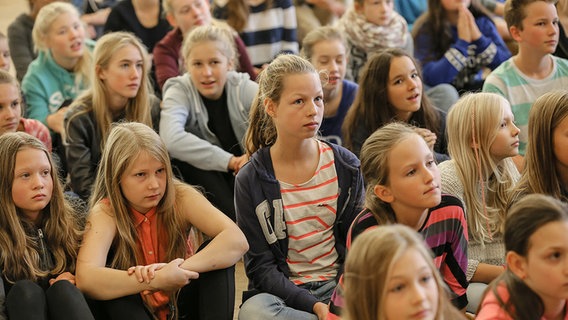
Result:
{"points": [[403, 186], [11, 110], [61, 70], [39, 236], [120, 91], [534, 284], [483, 139], [205, 115], [295, 199], [396, 95], [136, 258]]}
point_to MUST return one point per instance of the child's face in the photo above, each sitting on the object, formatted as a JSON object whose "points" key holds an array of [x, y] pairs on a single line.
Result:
{"points": [[188, 14], [299, 112], [66, 38], [10, 109], [378, 12], [123, 75], [404, 87], [4, 55], [545, 269], [143, 183], [32, 186], [411, 291], [208, 68], [559, 143], [330, 55], [413, 179], [454, 5], [540, 28], [506, 143]]}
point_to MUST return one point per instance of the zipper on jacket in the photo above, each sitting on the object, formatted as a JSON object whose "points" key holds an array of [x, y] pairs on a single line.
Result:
{"points": [[42, 247]]}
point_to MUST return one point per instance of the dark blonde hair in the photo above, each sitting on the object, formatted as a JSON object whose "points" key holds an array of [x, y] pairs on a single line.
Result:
{"points": [[125, 143], [45, 18], [368, 267], [375, 166], [514, 12], [525, 218], [19, 249], [261, 131], [217, 33], [547, 112], [323, 33], [98, 97]]}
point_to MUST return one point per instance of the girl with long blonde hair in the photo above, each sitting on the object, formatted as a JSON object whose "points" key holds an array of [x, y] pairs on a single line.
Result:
{"points": [[120, 91], [483, 138], [60, 72], [140, 220]]}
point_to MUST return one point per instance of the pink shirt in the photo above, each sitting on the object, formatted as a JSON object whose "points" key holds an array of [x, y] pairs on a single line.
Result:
{"points": [[491, 309]]}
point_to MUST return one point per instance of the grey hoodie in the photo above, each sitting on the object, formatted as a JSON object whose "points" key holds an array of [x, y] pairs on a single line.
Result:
{"points": [[184, 117]]}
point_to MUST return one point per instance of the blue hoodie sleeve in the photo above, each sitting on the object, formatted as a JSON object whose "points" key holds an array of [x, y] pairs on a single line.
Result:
{"points": [[490, 48]]}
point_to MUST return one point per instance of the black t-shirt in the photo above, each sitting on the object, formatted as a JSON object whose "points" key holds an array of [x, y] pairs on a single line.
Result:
{"points": [[220, 123]]}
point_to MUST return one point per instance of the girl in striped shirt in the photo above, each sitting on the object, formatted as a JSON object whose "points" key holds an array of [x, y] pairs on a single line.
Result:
{"points": [[295, 199], [403, 186]]}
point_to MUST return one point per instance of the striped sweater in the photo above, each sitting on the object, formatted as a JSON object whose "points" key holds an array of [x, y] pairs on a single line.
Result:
{"points": [[444, 231]]}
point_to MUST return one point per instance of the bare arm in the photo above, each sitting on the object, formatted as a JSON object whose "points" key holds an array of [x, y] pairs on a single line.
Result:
{"points": [[102, 283], [229, 243], [485, 273]]}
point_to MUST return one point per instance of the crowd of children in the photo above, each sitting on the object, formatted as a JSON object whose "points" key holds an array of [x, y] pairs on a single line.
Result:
{"points": [[372, 167]]}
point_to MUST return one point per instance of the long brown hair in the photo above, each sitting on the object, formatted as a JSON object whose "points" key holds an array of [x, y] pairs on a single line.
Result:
{"points": [[19, 257], [372, 108], [548, 111], [525, 217]]}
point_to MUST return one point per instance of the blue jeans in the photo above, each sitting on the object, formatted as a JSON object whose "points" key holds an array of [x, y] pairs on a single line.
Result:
{"points": [[268, 306]]}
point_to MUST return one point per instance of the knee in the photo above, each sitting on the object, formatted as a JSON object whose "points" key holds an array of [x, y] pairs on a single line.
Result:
{"points": [[62, 288], [261, 306], [24, 291]]}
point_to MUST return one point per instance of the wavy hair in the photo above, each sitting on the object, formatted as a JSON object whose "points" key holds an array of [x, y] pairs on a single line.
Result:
{"points": [[19, 256], [372, 108]]}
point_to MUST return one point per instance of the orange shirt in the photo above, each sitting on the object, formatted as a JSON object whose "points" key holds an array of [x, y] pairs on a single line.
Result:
{"points": [[151, 243]]}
